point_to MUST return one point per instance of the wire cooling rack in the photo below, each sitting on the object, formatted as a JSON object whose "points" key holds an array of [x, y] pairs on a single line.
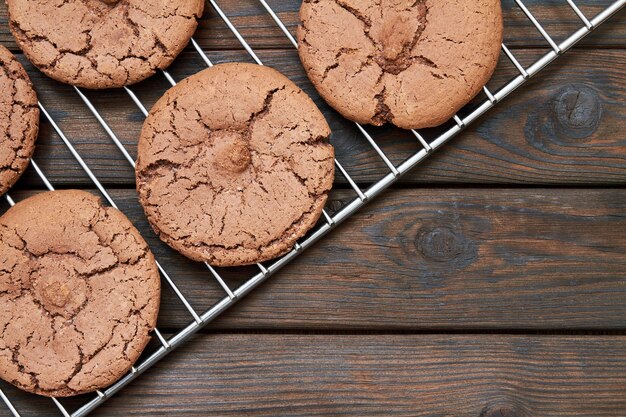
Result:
{"points": [[427, 147]]}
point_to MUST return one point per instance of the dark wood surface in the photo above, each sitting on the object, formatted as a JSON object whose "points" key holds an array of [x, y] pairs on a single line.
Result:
{"points": [[432, 259], [491, 282], [390, 375]]}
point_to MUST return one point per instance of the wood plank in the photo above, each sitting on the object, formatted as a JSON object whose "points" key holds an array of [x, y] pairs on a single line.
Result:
{"points": [[431, 259], [260, 31], [565, 127], [369, 375]]}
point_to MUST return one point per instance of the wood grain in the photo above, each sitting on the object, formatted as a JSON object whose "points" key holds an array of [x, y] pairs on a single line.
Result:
{"points": [[428, 259], [368, 375], [423, 259], [565, 127], [257, 27]]}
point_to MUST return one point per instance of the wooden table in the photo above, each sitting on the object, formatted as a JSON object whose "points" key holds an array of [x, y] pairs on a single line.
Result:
{"points": [[491, 281]]}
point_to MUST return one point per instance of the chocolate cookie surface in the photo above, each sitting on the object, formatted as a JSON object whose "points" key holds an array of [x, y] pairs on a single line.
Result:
{"points": [[413, 63], [233, 165], [102, 43], [79, 294], [19, 120]]}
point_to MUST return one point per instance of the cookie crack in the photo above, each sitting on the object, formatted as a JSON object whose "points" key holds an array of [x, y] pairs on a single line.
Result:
{"points": [[17, 241], [393, 64], [16, 163], [118, 67], [165, 162]]}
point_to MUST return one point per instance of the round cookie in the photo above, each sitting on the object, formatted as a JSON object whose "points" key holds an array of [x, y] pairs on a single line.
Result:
{"points": [[233, 165], [19, 120], [413, 63], [79, 294], [102, 43]]}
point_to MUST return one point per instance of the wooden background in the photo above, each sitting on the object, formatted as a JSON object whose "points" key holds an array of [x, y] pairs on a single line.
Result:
{"points": [[490, 282]]}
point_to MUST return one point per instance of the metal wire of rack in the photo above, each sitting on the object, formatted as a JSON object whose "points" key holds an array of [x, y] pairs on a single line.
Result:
{"points": [[199, 320]]}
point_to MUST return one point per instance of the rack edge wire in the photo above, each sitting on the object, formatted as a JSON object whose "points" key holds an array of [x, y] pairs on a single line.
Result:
{"points": [[363, 197]]}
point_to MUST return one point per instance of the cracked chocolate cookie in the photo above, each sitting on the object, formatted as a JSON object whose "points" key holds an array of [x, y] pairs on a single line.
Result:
{"points": [[79, 294], [19, 120], [413, 63], [102, 43], [233, 165]]}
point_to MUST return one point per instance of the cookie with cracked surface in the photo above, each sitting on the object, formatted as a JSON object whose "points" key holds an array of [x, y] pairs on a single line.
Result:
{"points": [[102, 43], [19, 120], [233, 165], [413, 63], [79, 294]]}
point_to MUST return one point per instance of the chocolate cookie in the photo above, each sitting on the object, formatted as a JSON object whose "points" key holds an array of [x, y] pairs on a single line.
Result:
{"points": [[19, 120], [79, 294], [233, 165], [413, 63], [102, 43]]}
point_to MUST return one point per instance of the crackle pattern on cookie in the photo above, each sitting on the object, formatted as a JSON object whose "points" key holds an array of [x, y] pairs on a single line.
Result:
{"points": [[413, 63], [102, 44], [234, 165], [19, 120], [79, 294]]}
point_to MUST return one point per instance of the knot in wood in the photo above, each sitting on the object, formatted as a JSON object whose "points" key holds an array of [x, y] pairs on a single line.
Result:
{"points": [[577, 110], [440, 244], [500, 411]]}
